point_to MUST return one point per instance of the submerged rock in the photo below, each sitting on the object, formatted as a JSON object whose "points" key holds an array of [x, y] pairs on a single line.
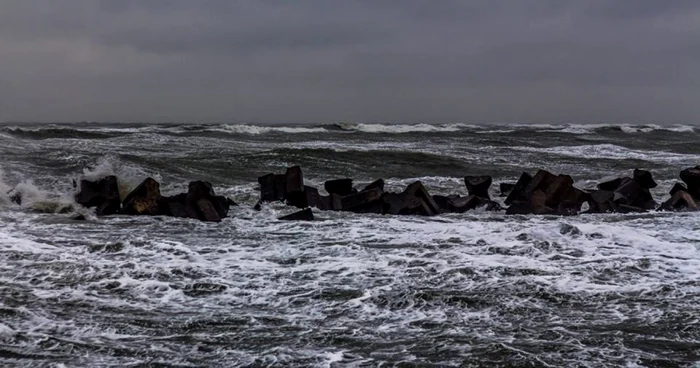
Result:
{"points": [[303, 215]]}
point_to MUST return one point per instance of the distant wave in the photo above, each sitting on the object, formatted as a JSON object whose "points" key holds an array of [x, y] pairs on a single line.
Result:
{"points": [[601, 128], [259, 129], [611, 151], [98, 131], [404, 128]]}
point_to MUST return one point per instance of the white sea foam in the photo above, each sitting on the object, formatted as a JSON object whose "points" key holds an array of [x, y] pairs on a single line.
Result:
{"points": [[259, 129], [612, 151], [4, 189], [405, 128], [129, 176]]}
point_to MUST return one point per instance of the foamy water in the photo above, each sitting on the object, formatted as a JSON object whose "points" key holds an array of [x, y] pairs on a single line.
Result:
{"points": [[347, 290]]}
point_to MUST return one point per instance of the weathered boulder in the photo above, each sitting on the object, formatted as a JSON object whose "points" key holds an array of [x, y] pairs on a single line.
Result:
{"points": [[102, 194], [366, 201], [680, 201], [379, 183], [677, 187], [546, 193], [506, 188], [417, 190], [143, 200], [611, 185], [444, 201], [314, 199], [303, 215], [294, 194], [341, 187], [273, 187], [267, 188], [175, 206], [517, 193], [414, 200], [403, 204], [200, 202], [280, 183], [457, 204], [601, 201], [644, 178], [631, 193], [691, 177], [478, 185]]}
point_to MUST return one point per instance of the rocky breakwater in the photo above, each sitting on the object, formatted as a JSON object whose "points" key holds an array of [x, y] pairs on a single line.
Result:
{"points": [[544, 193], [199, 202], [343, 196]]}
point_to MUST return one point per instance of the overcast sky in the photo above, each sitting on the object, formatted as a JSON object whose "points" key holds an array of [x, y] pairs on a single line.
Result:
{"points": [[633, 61]]}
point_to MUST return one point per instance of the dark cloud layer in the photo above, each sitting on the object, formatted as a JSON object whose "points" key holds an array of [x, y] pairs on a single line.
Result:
{"points": [[324, 61]]}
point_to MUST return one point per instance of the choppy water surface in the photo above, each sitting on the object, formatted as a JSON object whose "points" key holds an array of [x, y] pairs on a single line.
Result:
{"points": [[348, 290]]}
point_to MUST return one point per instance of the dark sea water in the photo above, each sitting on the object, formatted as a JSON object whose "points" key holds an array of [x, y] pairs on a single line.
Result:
{"points": [[349, 290]]}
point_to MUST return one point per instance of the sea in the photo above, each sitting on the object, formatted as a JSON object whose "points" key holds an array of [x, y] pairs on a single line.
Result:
{"points": [[479, 289]]}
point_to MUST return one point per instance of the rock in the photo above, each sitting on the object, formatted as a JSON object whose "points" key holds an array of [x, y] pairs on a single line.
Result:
{"points": [[601, 201], [143, 200], [624, 208], [294, 180], [78, 217], [341, 187], [314, 199], [379, 183], [680, 201], [15, 197], [517, 193], [102, 194], [631, 193], [519, 208], [295, 195], [538, 203], [568, 229], [464, 204], [546, 193], [280, 182], [691, 177], [267, 188], [478, 185], [206, 211], [367, 201], [443, 201], [200, 202], [677, 187], [417, 190], [644, 179], [403, 204], [610, 185], [506, 188], [175, 206], [303, 215]]}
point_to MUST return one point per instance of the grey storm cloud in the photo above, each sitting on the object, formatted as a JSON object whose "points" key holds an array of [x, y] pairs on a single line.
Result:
{"points": [[371, 61]]}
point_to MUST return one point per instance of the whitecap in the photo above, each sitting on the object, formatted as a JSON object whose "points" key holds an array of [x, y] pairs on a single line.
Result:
{"points": [[259, 129], [612, 151]]}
